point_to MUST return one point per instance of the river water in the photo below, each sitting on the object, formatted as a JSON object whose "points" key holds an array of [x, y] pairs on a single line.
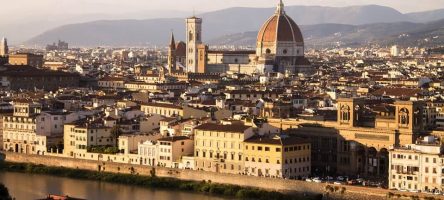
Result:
{"points": [[32, 186]]}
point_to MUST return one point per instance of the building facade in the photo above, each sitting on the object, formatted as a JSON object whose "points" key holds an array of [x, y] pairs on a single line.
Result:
{"points": [[193, 40], [279, 48], [417, 167], [219, 147], [19, 129], [278, 156], [26, 59]]}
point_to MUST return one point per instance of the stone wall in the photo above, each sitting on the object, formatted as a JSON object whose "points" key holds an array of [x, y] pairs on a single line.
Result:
{"points": [[265, 183]]}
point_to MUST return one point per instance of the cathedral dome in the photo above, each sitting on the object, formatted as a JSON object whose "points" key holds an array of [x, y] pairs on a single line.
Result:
{"points": [[280, 28]]}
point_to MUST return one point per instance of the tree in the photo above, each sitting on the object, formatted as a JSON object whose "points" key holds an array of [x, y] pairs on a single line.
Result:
{"points": [[4, 193], [115, 133]]}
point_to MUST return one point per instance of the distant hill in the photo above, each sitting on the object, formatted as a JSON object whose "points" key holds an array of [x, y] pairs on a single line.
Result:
{"points": [[239, 24], [426, 16], [327, 35]]}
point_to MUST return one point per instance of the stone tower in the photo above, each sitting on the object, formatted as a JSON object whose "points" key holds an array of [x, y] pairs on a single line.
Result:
{"points": [[172, 55], [4, 50], [349, 111], [194, 39], [409, 116]]}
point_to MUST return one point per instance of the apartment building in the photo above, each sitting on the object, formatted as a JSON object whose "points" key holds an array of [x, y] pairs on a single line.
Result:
{"points": [[279, 156], [173, 110], [219, 147], [81, 134], [417, 167], [19, 129], [166, 151]]}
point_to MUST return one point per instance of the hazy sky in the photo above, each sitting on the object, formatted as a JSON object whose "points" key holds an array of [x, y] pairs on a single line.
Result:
{"points": [[19, 7], [37, 16]]}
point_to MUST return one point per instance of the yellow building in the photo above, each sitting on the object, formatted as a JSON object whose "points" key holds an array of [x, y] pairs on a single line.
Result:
{"points": [[219, 147], [26, 59], [82, 134], [277, 156], [164, 109], [173, 110], [358, 141], [19, 129]]}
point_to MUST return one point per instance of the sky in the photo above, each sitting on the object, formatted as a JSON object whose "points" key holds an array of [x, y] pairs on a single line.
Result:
{"points": [[123, 6], [41, 15]]}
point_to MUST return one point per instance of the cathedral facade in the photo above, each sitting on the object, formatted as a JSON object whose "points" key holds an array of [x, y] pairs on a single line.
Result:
{"points": [[279, 48]]}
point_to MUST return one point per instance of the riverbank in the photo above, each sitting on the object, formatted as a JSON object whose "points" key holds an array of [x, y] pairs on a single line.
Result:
{"points": [[284, 186], [204, 187]]}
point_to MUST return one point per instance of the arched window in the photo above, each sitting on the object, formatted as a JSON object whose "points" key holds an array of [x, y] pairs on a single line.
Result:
{"points": [[404, 117], [285, 51], [267, 51], [345, 113], [190, 36]]}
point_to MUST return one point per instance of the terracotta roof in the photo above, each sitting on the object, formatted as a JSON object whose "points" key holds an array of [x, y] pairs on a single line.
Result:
{"points": [[233, 128], [181, 49], [108, 78], [278, 140], [164, 105], [398, 92], [173, 138], [246, 52], [280, 27]]}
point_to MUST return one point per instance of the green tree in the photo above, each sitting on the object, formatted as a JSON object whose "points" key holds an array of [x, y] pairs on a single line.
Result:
{"points": [[115, 133]]}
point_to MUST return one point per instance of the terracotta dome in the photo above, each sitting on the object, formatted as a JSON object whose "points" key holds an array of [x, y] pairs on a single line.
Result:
{"points": [[280, 28], [181, 49]]}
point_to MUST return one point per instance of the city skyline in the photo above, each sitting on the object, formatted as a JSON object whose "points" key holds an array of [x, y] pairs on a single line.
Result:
{"points": [[264, 100]]}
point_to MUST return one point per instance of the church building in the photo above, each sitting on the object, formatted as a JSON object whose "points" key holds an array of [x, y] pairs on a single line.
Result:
{"points": [[279, 48]]}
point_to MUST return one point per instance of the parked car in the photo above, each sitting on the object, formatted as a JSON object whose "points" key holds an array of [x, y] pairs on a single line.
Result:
{"points": [[317, 180], [308, 180], [329, 178], [338, 183], [352, 182], [360, 180]]}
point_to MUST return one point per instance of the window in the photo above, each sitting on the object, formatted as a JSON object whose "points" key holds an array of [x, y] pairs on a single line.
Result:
{"points": [[267, 148], [278, 149]]}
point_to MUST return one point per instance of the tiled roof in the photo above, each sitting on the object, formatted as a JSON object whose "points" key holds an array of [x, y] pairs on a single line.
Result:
{"points": [[233, 128]]}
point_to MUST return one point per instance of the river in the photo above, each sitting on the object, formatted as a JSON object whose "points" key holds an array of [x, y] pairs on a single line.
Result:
{"points": [[32, 186]]}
